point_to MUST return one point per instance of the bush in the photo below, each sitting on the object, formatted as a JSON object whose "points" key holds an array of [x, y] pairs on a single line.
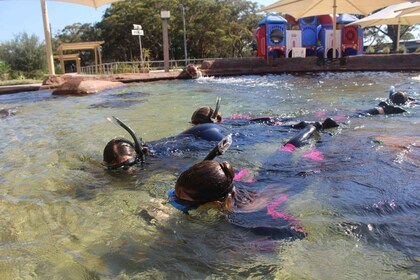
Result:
{"points": [[4, 71], [386, 50], [402, 49], [370, 50]]}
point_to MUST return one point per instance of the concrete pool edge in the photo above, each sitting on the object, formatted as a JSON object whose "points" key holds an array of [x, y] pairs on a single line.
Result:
{"points": [[247, 66]]}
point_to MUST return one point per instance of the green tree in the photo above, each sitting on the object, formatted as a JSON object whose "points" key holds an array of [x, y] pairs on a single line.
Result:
{"points": [[76, 33], [215, 28], [24, 54], [379, 34]]}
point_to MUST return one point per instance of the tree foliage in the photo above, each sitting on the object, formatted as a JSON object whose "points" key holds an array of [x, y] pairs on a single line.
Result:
{"points": [[381, 33], [214, 28], [24, 53]]}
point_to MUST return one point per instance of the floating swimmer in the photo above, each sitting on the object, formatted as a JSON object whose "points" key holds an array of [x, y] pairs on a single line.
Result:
{"points": [[383, 108], [399, 98], [121, 153], [207, 114], [193, 71], [210, 183]]}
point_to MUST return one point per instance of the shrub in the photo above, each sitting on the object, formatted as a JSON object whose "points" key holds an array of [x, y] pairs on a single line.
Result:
{"points": [[386, 50], [4, 71], [402, 49], [370, 50]]}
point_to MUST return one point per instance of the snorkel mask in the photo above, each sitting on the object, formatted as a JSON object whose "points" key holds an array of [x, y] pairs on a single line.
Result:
{"points": [[139, 158], [182, 204], [186, 205]]}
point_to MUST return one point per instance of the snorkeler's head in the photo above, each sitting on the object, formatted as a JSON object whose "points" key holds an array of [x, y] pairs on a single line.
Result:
{"points": [[205, 115], [119, 153], [192, 70], [398, 98], [205, 181]]}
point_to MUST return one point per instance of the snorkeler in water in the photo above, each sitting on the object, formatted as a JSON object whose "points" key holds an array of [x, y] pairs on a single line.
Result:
{"points": [[121, 153], [210, 183], [399, 97], [206, 114]]}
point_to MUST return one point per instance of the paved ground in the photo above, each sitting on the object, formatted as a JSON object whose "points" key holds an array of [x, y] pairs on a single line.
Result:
{"points": [[19, 88]]}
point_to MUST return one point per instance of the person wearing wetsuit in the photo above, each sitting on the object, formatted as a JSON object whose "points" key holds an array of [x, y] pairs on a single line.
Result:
{"points": [[399, 97], [211, 184], [121, 153]]}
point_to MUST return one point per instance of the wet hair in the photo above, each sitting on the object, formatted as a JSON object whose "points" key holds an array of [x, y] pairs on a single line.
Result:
{"points": [[399, 98], [116, 149], [192, 70], [210, 181], [204, 115], [206, 181]]}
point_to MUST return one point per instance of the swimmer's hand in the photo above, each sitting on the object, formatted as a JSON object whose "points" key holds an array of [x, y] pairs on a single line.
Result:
{"points": [[220, 148]]}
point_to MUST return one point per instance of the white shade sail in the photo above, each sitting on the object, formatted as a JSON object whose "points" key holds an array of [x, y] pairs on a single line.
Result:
{"points": [[391, 15], [91, 3]]}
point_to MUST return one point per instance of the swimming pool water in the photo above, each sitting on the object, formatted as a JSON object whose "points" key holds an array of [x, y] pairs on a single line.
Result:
{"points": [[355, 192]]}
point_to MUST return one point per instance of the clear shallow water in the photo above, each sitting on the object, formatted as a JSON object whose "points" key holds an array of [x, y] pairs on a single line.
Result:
{"points": [[64, 217]]}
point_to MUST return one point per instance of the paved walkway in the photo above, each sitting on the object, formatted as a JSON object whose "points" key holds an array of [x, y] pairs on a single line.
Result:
{"points": [[19, 88]]}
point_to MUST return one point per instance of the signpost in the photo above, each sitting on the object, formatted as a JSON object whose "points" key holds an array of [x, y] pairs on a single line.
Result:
{"points": [[138, 31]]}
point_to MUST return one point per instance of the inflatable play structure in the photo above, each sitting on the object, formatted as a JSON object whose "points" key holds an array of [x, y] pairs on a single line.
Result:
{"points": [[277, 37]]}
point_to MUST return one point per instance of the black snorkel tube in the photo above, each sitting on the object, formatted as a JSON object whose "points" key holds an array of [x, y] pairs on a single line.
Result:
{"points": [[137, 145], [216, 111], [220, 148]]}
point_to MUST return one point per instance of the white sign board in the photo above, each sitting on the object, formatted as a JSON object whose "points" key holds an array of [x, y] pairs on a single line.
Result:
{"points": [[137, 32], [329, 39], [293, 40], [298, 52]]}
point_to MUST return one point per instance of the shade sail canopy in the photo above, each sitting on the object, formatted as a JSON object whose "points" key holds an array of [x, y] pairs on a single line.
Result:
{"points": [[306, 8], [91, 3], [410, 10], [391, 15]]}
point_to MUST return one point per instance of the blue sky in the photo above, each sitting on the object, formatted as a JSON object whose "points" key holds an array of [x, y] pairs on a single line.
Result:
{"points": [[17, 16]]}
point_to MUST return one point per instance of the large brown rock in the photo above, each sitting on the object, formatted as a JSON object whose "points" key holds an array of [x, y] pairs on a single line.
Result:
{"points": [[81, 87]]}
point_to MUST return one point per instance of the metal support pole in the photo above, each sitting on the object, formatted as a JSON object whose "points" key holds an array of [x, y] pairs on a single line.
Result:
{"points": [[141, 55], [185, 36], [165, 45]]}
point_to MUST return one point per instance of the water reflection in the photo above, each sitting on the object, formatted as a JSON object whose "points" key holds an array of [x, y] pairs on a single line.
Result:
{"points": [[64, 215]]}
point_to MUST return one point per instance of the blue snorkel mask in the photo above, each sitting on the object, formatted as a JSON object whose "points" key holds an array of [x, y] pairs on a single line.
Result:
{"points": [[182, 204]]}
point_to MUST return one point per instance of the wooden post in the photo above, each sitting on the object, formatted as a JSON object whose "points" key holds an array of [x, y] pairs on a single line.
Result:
{"points": [[78, 65], [48, 45], [62, 61]]}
